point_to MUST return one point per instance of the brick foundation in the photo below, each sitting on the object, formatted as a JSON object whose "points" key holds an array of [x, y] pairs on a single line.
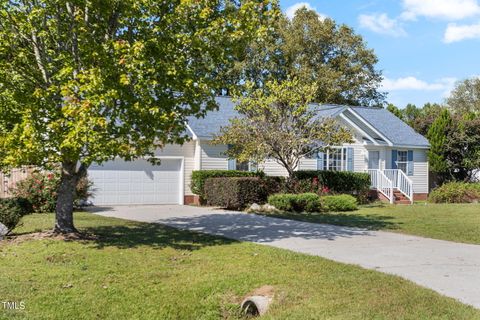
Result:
{"points": [[420, 196], [191, 200]]}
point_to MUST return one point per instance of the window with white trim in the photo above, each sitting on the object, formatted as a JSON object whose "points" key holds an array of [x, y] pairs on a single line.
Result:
{"points": [[335, 159], [242, 166], [402, 160]]}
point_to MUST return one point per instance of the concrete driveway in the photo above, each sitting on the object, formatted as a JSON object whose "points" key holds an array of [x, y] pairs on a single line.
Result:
{"points": [[452, 269]]}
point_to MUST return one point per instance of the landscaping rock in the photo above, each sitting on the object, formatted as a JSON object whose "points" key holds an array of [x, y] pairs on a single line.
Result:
{"points": [[3, 231], [266, 208], [255, 207]]}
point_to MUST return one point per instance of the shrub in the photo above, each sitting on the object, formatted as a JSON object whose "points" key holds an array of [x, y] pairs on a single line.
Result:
{"points": [[234, 193], [274, 185], [12, 210], [199, 177], [40, 189], [282, 201], [322, 182], [304, 202], [343, 202], [456, 192]]}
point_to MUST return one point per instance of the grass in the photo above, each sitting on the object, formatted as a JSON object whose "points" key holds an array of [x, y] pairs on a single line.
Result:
{"points": [[453, 222], [146, 271]]}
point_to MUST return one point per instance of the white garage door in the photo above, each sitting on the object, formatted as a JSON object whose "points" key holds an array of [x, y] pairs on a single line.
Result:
{"points": [[136, 182]]}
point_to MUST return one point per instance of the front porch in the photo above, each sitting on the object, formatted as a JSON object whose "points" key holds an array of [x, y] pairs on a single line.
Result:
{"points": [[393, 185]]}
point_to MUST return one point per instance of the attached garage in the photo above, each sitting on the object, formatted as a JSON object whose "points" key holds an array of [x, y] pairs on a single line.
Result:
{"points": [[137, 182]]}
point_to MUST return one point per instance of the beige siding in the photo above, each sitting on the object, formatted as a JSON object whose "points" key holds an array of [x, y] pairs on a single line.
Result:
{"points": [[213, 157], [420, 168], [187, 151], [420, 171], [308, 164], [272, 168]]}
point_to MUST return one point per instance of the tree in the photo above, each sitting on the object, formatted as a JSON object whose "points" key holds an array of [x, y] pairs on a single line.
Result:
{"points": [[411, 113], [437, 136], [465, 97], [278, 122], [393, 109], [315, 51], [88, 81]]}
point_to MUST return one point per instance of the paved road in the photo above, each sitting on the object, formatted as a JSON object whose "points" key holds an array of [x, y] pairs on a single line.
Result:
{"points": [[452, 269]]}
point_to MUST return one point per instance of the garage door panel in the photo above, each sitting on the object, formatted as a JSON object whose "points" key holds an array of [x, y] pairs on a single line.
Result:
{"points": [[136, 182]]}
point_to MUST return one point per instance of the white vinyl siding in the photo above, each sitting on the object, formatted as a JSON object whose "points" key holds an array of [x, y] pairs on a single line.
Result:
{"points": [[420, 171], [272, 168], [420, 168], [212, 157], [187, 151]]}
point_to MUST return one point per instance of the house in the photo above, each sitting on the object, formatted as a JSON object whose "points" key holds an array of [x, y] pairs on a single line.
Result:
{"points": [[386, 147]]}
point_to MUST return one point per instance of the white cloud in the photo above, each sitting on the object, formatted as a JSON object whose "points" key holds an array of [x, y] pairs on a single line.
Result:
{"points": [[412, 83], [290, 12], [455, 33], [444, 9], [381, 23]]}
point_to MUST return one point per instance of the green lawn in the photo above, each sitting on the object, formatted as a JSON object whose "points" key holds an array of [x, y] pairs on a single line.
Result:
{"points": [[144, 271], [454, 222]]}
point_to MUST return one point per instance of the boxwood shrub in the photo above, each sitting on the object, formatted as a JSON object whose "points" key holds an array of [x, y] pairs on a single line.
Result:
{"points": [[456, 192], [304, 202], [200, 176], [12, 210], [234, 193], [342, 202]]}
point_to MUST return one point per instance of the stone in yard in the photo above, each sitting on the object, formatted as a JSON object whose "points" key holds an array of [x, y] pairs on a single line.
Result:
{"points": [[255, 207], [3, 231]]}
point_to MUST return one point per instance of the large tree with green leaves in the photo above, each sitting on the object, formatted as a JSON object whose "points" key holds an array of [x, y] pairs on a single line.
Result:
{"points": [[279, 122], [315, 50], [465, 97], [90, 80], [437, 136]]}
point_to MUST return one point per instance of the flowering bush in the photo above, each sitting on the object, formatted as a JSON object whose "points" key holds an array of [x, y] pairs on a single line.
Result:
{"points": [[40, 189]]}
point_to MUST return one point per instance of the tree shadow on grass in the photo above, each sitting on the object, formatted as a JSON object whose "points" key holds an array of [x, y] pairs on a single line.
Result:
{"points": [[152, 235], [370, 222]]}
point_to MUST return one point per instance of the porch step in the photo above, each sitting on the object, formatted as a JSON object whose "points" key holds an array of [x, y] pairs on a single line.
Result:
{"points": [[398, 197]]}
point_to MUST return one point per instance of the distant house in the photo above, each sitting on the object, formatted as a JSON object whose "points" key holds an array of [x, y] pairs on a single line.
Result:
{"points": [[386, 147]]}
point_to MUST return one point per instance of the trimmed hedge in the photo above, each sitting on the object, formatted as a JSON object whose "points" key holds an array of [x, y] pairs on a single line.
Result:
{"points": [[200, 176], [234, 193], [456, 192], [12, 210], [343, 202], [335, 181], [304, 202]]}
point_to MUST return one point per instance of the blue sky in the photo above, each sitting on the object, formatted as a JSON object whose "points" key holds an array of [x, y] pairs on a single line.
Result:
{"points": [[423, 46]]}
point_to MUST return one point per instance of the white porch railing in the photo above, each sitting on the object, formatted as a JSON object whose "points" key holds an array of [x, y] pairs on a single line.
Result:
{"points": [[385, 181], [382, 183]]}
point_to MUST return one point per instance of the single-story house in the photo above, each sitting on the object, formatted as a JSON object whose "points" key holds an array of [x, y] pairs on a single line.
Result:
{"points": [[386, 147]]}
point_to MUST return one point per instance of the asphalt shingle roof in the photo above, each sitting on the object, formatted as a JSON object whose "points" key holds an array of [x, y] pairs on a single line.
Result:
{"points": [[390, 126], [394, 129]]}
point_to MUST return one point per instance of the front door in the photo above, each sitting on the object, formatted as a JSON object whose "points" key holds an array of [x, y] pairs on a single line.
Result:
{"points": [[373, 159]]}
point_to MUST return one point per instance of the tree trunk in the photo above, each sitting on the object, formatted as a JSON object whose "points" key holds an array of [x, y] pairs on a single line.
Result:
{"points": [[66, 196]]}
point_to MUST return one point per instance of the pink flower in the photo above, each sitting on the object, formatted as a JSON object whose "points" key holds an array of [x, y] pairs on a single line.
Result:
{"points": [[325, 189]]}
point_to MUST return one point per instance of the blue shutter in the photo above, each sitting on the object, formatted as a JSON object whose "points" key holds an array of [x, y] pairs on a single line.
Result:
{"points": [[394, 159], [349, 159], [232, 164], [320, 159], [410, 163]]}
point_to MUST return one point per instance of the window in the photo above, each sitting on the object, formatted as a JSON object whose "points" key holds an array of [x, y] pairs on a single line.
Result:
{"points": [[402, 160], [242, 166], [335, 159]]}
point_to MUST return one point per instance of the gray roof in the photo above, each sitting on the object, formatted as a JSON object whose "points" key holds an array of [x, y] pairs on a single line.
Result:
{"points": [[394, 129], [390, 126], [214, 120]]}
